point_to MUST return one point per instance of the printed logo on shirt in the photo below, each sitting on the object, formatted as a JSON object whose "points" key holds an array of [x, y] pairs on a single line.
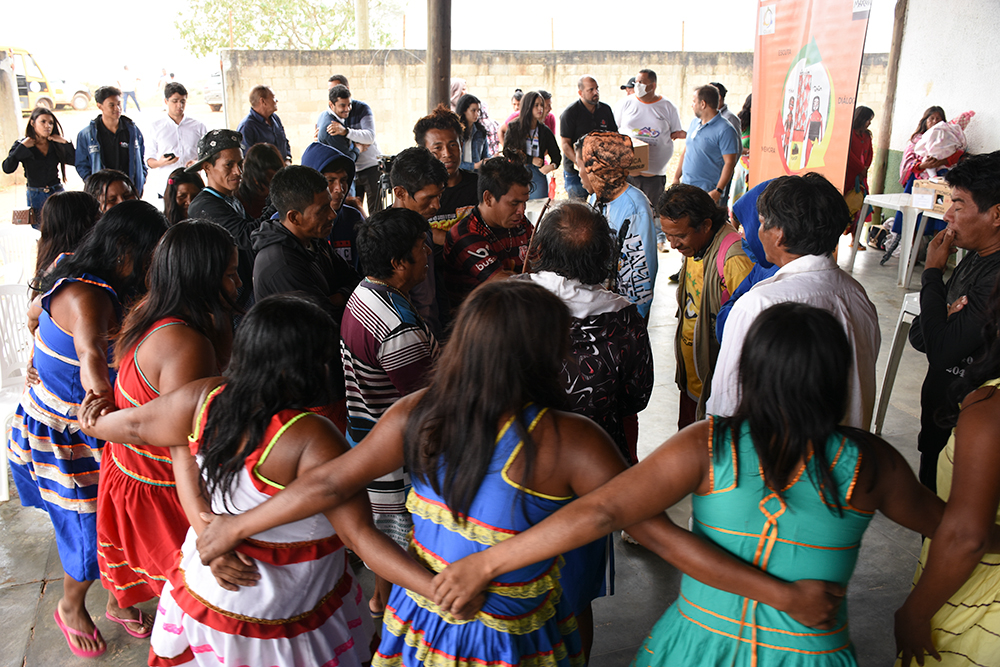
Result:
{"points": [[480, 252], [123, 144], [482, 265], [647, 134], [94, 149]]}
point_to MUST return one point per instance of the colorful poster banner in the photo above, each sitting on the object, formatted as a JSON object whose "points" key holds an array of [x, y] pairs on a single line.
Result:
{"points": [[806, 67]]}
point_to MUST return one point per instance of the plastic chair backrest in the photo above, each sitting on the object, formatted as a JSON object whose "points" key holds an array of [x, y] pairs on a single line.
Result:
{"points": [[15, 339], [19, 245]]}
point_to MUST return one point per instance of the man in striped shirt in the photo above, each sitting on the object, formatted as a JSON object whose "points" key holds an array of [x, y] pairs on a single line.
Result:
{"points": [[387, 351]]}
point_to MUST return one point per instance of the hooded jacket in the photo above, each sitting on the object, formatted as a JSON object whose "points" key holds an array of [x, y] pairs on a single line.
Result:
{"points": [[745, 210], [344, 235], [283, 265]]}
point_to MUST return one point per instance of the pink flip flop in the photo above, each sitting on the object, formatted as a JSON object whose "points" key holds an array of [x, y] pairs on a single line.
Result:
{"points": [[67, 631], [126, 622]]}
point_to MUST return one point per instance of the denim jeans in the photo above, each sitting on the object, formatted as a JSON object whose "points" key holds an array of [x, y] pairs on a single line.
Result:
{"points": [[37, 198], [574, 188]]}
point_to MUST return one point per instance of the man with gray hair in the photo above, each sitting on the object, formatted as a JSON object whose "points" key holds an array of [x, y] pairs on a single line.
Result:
{"points": [[262, 125], [587, 114]]}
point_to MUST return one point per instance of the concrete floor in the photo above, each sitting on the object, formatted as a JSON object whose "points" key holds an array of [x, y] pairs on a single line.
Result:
{"points": [[31, 576]]}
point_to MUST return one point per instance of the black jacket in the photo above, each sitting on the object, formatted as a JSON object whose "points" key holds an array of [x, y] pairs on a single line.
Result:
{"points": [[208, 205], [283, 265]]}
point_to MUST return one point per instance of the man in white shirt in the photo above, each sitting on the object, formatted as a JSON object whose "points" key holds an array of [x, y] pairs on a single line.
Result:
{"points": [[654, 120], [173, 140], [802, 218]]}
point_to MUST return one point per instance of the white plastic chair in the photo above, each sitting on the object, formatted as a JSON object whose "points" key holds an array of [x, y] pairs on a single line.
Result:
{"points": [[15, 351], [910, 309], [19, 245]]}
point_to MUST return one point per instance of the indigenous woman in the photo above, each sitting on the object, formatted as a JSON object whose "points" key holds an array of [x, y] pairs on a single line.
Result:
{"points": [[763, 493], [859, 159], [110, 187], [489, 458], [181, 331], [953, 612], [43, 151], [262, 162], [67, 217], [181, 188], [306, 608], [529, 134], [55, 466]]}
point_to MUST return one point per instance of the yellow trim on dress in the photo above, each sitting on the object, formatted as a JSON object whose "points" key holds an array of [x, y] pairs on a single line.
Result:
{"points": [[474, 532], [270, 445], [193, 438], [543, 583], [517, 450]]}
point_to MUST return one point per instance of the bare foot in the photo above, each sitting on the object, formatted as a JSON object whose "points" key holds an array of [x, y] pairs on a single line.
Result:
{"points": [[78, 619], [135, 624]]}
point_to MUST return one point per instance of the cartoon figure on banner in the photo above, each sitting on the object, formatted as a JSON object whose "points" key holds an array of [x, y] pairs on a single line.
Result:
{"points": [[809, 91], [787, 131], [815, 131]]}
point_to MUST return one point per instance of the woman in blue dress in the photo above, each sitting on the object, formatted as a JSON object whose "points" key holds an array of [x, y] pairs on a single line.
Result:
{"points": [[54, 465]]}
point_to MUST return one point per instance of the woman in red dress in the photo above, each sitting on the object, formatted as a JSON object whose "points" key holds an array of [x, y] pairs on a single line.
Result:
{"points": [[181, 331], [859, 160]]}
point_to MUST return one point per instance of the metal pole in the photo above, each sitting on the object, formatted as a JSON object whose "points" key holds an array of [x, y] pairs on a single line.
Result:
{"points": [[885, 124], [361, 22], [438, 53]]}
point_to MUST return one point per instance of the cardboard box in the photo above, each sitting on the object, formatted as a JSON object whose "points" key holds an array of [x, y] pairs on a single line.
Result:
{"points": [[640, 162], [932, 195]]}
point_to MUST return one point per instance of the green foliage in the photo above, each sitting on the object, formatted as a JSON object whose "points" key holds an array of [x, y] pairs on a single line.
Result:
{"points": [[282, 24]]}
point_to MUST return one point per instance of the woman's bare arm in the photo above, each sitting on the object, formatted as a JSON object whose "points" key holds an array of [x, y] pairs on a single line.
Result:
{"points": [[963, 535], [636, 499], [319, 489]]}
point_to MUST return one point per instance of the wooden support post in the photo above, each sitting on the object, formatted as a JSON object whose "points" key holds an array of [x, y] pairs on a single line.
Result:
{"points": [[885, 123], [438, 53]]}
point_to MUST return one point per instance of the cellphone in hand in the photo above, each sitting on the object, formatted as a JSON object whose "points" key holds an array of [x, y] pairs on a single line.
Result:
{"points": [[169, 156]]}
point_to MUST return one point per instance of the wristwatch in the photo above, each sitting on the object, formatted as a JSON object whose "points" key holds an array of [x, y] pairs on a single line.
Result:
{"points": [[720, 191]]}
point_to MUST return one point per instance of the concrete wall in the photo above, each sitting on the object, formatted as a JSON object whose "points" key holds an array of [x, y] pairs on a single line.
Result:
{"points": [[945, 61], [394, 82]]}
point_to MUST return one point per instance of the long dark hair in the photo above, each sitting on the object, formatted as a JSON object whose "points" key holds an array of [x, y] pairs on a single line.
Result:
{"points": [[66, 219], [862, 115], [463, 105], [517, 130], [97, 184], [260, 159], [280, 357], [57, 130], [177, 178], [793, 379], [185, 281], [744, 114], [506, 350], [922, 125], [129, 231]]}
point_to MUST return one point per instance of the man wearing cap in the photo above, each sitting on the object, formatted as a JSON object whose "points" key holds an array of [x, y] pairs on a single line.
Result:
{"points": [[220, 161], [262, 125], [629, 88], [338, 170], [654, 120], [585, 115]]}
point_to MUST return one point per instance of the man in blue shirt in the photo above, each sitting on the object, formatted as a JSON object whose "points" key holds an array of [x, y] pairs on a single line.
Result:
{"points": [[262, 125], [711, 149]]}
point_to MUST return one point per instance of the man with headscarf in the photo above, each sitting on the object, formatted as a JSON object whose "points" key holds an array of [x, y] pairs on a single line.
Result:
{"points": [[604, 163]]}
